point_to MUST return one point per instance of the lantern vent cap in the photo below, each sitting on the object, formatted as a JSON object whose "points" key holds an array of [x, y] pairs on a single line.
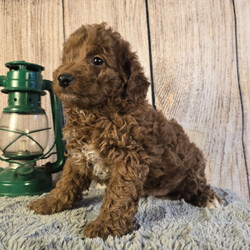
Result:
{"points": [[23, 65]]}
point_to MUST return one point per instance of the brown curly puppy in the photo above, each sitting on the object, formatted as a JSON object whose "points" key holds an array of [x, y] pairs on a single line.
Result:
{"points": [[115, 137]]}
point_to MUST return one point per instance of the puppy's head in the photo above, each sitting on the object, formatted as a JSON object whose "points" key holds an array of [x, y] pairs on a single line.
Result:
{"points": [[98, 67]]}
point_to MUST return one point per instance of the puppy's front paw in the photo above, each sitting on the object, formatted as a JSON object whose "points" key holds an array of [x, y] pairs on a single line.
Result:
{"points": [[47, 205], [99, 228], [214, 203]]}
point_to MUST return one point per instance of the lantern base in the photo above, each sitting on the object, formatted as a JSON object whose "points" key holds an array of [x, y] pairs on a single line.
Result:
{"points": [[24, 181]]}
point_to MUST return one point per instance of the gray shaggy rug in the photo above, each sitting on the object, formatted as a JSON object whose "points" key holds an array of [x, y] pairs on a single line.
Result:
{"points": [[161, 224]]}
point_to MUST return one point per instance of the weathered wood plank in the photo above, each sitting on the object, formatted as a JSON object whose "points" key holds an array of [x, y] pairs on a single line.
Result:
{"points": [[127, 17], [193, 56], [31, 31], [193, 48], [242, 8]]}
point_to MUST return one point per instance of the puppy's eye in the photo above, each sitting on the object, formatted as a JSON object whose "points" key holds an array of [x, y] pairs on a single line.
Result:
{"points": [[97, 61]]}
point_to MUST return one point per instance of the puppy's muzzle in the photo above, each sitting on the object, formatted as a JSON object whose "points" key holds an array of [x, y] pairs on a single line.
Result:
{"points": [[65, 80]]}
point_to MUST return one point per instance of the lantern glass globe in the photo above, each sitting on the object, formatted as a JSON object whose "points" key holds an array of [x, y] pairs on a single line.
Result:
{"points": [[23, 134]]}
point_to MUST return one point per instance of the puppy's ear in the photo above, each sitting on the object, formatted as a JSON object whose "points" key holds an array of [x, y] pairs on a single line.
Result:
{"points": [[135, 83]]}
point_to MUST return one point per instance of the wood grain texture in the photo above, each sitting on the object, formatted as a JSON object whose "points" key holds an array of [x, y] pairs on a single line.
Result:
{"points": [[242, 8], [194, 63], [193, 49], [31, 31], [127, 17]]}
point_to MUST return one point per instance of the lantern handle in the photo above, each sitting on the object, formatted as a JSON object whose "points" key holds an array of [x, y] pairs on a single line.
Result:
{"points": [[2, 78], [58, 122]]}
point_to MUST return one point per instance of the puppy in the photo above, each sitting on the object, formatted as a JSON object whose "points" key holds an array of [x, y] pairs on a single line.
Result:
{"points": [[113, 136]]}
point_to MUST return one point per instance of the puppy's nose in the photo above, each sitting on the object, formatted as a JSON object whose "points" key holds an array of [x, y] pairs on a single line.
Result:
{"points": [[65, 80]]}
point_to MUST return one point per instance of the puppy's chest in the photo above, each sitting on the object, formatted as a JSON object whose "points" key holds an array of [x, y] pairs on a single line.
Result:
{"points": [[81, 148], [94, 161]]}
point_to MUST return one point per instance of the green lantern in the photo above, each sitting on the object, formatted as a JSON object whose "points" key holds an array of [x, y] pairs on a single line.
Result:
{"points": [[24, 131]]}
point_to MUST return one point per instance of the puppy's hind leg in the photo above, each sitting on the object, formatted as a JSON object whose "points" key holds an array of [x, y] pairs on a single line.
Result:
{"points": [[68, 190], [194, 190]]}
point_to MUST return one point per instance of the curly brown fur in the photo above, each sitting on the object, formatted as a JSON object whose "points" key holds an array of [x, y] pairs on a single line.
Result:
{"points": [[115, 137]]}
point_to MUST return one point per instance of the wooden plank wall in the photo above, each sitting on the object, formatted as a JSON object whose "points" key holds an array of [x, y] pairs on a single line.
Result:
{"points": [[242, 21], [200, 61]]}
